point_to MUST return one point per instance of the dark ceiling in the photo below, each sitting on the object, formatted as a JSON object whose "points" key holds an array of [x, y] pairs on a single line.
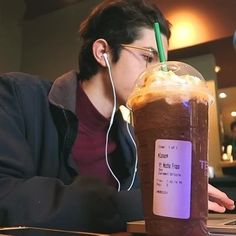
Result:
{"points": [[36, 8]]}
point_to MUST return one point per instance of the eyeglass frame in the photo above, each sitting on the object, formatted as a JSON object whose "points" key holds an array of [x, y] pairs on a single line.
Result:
{"points": [[150, 50]]}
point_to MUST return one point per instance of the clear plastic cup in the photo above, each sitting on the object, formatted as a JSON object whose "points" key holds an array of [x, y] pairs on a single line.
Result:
{"points": [[169, 106]]}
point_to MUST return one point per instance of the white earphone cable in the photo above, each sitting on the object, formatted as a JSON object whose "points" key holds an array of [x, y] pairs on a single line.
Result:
{"points": [[136, 155], [112, 118]]}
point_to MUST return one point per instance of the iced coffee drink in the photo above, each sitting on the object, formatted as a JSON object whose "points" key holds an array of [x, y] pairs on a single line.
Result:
{"points": [[170, 117]]}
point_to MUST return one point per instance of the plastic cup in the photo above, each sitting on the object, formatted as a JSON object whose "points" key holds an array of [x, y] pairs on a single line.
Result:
{"points": [[170, 118]]}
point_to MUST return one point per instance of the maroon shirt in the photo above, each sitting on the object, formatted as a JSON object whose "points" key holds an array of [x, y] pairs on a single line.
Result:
{"points": [[89, 148]]}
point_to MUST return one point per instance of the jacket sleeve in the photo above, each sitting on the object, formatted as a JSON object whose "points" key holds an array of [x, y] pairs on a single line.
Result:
{"points": [[27, 198]]}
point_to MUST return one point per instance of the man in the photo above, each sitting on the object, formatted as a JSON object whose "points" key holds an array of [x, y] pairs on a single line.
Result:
{"points": [[62, 158]]}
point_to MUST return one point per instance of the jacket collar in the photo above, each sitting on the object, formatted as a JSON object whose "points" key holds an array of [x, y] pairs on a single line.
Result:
{"points": [[63, 91], [63, 95]]}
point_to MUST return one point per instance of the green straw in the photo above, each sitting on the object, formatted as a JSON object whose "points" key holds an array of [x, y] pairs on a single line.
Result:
{"points": [[159, 42]]}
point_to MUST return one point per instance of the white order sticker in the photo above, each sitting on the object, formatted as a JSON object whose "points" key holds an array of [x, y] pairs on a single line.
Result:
{"points": [[172, 178]]}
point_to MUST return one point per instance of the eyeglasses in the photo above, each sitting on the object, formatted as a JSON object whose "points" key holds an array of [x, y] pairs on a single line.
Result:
{"points": [[150, 58]]}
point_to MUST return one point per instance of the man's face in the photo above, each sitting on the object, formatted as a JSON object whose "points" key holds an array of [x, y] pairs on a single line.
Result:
{"points": [[133, 62]]}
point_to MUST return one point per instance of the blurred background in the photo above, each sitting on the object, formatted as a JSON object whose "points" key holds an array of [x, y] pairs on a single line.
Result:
{"points": [[41, 37]]}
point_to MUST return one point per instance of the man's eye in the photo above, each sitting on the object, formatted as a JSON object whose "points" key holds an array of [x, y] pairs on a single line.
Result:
{"points": [[148, 58]]}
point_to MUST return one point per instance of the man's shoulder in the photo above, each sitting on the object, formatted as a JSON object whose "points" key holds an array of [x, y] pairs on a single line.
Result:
{"points": [[21, 77], [25, 81]]}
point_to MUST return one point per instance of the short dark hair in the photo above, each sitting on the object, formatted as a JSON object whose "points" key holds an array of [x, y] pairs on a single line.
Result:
{"points": [[118, 22], [232, 125]]}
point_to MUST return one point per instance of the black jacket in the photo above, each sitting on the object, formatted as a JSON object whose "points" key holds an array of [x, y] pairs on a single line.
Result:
{"points": [[40, 184]]}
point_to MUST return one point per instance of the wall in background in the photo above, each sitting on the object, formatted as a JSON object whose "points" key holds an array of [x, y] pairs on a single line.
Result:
{"points": [[51, 43], [11, 17], [205, 64]]}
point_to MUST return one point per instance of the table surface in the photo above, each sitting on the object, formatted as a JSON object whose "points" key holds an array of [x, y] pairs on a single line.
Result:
{"points": [[17, 230], [138, 227]]}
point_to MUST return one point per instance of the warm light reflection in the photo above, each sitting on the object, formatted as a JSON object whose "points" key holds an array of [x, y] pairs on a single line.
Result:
{"points": [[217, 69], [233, 113], [183, 33], [222, 95], [188, 28]]}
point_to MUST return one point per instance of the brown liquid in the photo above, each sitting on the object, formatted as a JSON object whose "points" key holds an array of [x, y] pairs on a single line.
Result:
{"points": [[181, 121]]}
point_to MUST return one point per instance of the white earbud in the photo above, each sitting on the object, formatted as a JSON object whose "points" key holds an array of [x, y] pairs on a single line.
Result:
{"points": [[105, 56]]}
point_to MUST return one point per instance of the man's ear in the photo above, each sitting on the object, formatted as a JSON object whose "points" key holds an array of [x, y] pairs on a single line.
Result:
{"points": [[100, 46]]}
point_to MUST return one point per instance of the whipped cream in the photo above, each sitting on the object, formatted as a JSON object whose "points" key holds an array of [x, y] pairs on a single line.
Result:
{"points": [[171, 85]]}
